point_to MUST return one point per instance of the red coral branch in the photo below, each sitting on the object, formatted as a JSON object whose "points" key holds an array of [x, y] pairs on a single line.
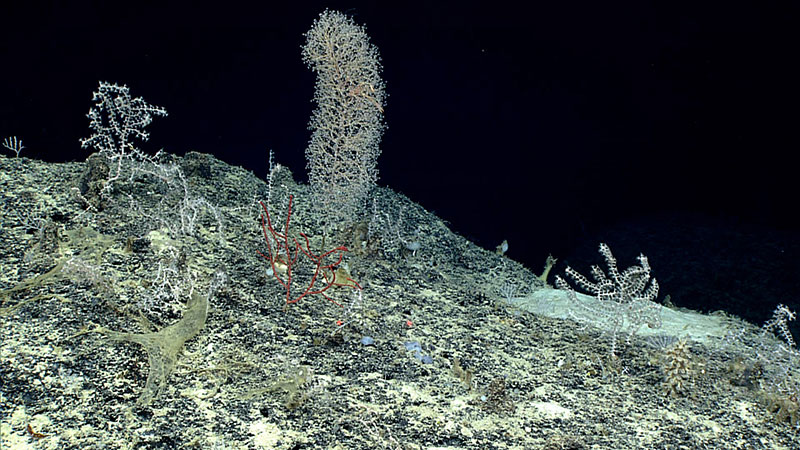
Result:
{"points": [[283, 258]]}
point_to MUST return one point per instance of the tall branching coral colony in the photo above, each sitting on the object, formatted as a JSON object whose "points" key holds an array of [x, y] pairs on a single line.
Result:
{"points": [[347, 124]]}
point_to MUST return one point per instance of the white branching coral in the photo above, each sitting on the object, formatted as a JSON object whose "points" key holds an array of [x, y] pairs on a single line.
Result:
{"points": [[116, 120], [623, 301]]}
